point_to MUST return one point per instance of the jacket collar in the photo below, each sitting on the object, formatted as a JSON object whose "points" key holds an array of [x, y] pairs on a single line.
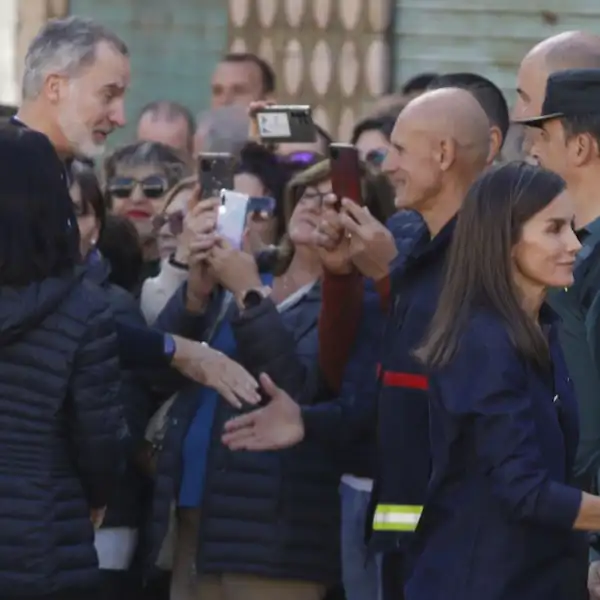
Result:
{"points": [[429, 248]]}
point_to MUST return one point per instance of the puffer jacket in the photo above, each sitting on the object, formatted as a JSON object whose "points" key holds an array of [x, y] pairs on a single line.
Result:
{"points": [[61, 432], [132, 489], [269, 514]]}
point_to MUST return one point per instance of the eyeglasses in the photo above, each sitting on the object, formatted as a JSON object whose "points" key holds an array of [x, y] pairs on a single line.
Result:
{"points": [[312, 195], [153, 186], [174, 221]]}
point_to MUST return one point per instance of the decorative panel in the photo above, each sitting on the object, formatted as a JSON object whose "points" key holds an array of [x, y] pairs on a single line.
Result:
{"points": [[331, 54], [484, 36], [174, 44]]}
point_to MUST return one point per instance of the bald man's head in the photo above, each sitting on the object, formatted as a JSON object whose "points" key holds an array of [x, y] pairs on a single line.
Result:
{"points": [[440, 138], [568, 50]]}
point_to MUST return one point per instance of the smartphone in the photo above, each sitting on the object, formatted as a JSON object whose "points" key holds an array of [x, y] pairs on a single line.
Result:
{"points": [[233, 214], [286, 123], [215, 172], [346, 172], [231, 221]]}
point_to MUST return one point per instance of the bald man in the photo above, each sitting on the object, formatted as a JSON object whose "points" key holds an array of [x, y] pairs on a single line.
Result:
{"points": [[440, 144], [570, 147]]}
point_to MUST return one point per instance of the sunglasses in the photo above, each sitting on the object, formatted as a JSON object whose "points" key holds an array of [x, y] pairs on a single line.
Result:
{"points": [[153, 186], [173, 220], [375, 157], [301, 158]]}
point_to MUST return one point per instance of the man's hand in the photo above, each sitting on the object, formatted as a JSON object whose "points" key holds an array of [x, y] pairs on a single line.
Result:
{"points": [[332, 244], [201, 363], [235, 270], [278, 425], [594, 580], [372, 245]]}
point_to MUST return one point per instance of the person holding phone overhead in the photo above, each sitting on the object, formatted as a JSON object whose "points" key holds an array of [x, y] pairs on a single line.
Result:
{"points": [[283, 544]]}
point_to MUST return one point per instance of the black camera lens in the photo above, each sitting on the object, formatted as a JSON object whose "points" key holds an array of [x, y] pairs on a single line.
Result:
{"points": [[333, 153], [205, 165]]}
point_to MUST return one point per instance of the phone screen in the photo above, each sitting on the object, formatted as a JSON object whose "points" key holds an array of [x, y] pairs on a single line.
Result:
{"points": [[262, 206], [280, 124], [345, 172], [274, 125]]}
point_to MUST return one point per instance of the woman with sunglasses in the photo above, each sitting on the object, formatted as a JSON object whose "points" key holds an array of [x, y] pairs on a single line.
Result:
{"points": [[116, 540], [173, 240], [138, 176]]}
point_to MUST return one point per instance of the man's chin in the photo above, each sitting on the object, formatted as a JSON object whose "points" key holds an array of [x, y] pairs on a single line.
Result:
{"points": [[91, 150]]}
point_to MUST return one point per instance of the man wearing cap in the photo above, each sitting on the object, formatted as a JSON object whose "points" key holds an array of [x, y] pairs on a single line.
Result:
{"points": [[568, 142]]}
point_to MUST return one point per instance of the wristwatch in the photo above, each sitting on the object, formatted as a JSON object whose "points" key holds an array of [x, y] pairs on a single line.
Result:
{"points": [[169, 347], [253, 297], [179, 265]]}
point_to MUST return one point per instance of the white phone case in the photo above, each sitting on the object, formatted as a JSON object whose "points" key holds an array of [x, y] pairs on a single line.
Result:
{"points": [[232, 217]]}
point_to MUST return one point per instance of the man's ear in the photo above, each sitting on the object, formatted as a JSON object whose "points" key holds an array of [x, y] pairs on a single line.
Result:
{"points": [[496, 141], [53, 87], [446, 153]]}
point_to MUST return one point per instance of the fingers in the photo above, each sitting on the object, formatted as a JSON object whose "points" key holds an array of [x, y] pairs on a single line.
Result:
{"points": [[229, 396], [206, 205], [243, 421], [202, 243], [246, 388], [267, 385], [238, 440], [350, 225], [194, 198], [359, 213], [331, 202], [331, 231]]}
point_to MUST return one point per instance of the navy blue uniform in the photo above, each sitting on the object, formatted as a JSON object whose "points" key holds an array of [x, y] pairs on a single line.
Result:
{"points": [[498, 517]]}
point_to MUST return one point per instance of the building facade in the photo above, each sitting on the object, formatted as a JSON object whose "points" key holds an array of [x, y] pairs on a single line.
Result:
{"points": [[337, 55]]}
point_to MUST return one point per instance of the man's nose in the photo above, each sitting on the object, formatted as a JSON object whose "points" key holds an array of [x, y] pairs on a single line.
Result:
{"points": [[117, 115]]}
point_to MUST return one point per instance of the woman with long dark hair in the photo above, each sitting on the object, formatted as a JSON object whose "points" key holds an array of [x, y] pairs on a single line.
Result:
{"points": [[500, 516]]}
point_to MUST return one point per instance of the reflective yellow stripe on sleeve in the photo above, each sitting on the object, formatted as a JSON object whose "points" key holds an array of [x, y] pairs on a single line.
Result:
{"points": [[396, 517]]}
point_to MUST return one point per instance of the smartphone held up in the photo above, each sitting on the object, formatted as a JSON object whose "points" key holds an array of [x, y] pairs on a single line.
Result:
{"points": [[346, 172], [215, 172], [234, 212], [280, 124]]}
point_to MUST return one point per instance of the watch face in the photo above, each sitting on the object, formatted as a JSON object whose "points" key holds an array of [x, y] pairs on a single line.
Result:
{"points": [[252, 298]]}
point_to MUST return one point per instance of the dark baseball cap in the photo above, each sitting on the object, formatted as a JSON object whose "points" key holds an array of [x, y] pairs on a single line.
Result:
{"points": [[569, 93]]}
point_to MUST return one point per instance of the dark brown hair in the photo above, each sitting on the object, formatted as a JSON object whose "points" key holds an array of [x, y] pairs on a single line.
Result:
{"points": [[479, 271]]}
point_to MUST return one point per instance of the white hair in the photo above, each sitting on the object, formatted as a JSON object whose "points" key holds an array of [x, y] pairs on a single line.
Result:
{"points": [[64, 46]]}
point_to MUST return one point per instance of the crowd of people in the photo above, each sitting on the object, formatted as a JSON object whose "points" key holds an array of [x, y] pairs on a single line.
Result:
{"points": [[398, 399]]}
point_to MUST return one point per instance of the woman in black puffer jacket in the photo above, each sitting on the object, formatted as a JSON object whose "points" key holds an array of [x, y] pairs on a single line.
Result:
{"points": [[62, 432]]}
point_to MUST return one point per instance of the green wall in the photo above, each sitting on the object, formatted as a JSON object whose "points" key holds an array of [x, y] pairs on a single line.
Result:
{"points": [[174, 45]]}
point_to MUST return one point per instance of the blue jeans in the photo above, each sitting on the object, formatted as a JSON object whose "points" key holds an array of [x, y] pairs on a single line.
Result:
{"points": [[360, 570]]}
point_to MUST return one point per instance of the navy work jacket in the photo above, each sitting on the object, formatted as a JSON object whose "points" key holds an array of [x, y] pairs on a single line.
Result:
{"points": [[498, 514]]}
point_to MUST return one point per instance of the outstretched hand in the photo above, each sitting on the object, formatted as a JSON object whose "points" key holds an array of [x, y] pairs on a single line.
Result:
{"points": [[278, 425]]}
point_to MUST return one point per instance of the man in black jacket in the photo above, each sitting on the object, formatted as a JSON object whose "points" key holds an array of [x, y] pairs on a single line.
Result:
{"points": [[75, 77]]}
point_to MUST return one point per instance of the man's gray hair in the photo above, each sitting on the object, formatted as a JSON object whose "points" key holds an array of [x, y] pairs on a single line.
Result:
{"points": [[64, 46]]}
